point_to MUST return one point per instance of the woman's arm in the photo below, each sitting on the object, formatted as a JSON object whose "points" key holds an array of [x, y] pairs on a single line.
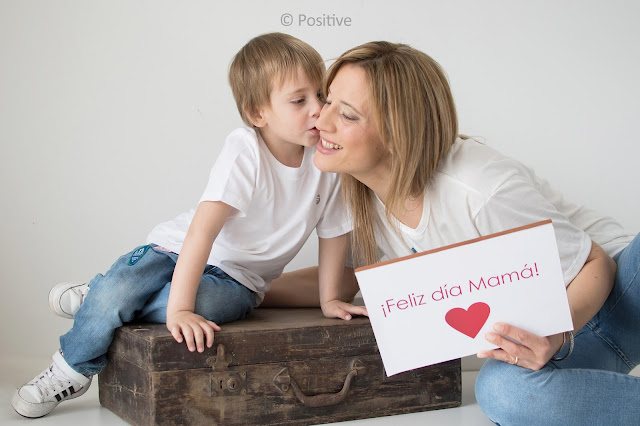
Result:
{"points": [[300, 289], [331, 258], [586, 293], [182, 322], [591, 287]]}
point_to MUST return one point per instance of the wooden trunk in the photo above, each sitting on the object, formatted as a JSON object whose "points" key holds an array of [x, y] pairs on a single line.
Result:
{"points": [[277, 366]]}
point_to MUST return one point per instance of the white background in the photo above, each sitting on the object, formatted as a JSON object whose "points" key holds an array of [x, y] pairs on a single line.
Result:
{"points": [[112, 113]]}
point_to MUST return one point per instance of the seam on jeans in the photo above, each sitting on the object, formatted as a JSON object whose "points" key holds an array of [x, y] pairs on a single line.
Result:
{"points": [[615, 348]]}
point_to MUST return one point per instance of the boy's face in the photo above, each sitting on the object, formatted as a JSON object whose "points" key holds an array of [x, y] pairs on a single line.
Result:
{"points": [[291, 116]]}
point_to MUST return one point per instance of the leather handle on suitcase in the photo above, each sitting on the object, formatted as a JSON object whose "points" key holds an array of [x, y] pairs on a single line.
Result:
{"points": [[321, 400]]}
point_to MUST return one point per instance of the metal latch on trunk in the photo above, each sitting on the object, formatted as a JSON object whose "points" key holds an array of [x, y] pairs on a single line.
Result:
{"points": [[225, 382]]}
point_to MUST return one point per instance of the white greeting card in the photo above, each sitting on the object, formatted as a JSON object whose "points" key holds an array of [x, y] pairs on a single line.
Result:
{"points": [[436, 306]]}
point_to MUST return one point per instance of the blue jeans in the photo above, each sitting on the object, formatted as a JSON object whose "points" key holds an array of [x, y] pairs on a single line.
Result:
{"points": [[136, 288], [592, 385]]}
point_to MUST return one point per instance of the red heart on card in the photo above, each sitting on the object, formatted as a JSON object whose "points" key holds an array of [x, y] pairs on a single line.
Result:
{"points": [[469, 321]]}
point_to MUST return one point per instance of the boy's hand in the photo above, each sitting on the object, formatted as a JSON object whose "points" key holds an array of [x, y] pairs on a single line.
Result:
{"points": [[195, 330], [340, 309]]}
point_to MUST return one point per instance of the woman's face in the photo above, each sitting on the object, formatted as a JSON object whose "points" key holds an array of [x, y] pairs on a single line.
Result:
{"points": [[349, 140]]}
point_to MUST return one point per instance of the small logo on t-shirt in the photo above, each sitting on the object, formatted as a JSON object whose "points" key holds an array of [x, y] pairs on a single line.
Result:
{"points": [[317, 199]]}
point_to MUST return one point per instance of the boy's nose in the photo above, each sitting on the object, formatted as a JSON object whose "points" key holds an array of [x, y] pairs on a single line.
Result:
{"points": [[316, 108]]}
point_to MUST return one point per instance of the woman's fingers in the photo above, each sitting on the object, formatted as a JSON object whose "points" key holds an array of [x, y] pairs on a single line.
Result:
{"points": [[525, 338], [357, 310], [511, 350], [517, 346], [501, 355], [347, 310]]}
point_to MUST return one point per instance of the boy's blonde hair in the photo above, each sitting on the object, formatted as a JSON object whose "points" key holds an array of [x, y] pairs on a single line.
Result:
{"points": [[416, 119], [268, 60]]}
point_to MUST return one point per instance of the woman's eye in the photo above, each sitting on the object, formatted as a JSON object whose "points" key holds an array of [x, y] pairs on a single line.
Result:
{"points": [[348, 117]]}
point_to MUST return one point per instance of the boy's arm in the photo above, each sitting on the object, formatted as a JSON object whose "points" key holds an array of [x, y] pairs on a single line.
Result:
{"points": [[182, 322], [331, 258]]}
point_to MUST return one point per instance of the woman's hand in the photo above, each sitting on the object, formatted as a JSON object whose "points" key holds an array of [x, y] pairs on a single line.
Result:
{"points": [[195, 330], [533, 352], [340, 309]]}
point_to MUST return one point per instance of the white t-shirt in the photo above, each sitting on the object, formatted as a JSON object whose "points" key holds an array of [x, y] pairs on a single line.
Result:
{"points": [[477, 191], [275, 210]]}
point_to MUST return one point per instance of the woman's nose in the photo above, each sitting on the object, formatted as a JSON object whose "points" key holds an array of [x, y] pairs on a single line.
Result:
{"points": [[322, 122]]}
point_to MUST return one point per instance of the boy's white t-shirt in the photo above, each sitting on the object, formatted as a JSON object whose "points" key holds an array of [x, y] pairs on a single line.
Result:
{"points": [[477, 191], [275, 210]]}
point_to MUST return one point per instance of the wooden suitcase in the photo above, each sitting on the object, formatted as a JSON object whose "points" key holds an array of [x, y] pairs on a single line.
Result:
{"points": [[277, 366]]}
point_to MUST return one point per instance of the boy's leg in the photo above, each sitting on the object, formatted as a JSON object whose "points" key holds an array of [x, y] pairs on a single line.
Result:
{"points": [[113, 300], [220, 299]]}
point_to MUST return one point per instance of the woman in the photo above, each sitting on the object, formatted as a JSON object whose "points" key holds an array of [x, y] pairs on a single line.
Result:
{"points": [[390, 127]]}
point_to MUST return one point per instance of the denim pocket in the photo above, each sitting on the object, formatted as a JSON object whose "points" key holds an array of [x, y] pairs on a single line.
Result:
{"points": [[219, 273]]}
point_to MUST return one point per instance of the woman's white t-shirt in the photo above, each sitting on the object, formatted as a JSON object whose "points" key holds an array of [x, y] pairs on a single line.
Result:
{"points": [[477, 191], [275, 210]]}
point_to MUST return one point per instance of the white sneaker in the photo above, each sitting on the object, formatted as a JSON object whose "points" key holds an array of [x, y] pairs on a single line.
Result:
{"points": [[66, 298], [56, 384]]}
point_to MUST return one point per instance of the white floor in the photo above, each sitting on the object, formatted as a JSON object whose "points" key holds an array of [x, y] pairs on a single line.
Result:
{"points": [[86, 410]]}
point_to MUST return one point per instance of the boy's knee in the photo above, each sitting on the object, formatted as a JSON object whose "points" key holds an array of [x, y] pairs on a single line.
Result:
{"points": [[223, 302], [112, 285]]}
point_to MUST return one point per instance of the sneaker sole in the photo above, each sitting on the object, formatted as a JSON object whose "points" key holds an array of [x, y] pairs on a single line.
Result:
{"points": [[54, 298], [33, 410]]}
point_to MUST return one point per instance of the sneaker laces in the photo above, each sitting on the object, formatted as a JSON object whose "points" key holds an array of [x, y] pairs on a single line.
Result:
{"points": [[50, 380], [81, 291]]}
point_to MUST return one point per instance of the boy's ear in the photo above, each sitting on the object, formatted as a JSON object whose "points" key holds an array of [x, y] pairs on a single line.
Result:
{"points": [[256, 118]]}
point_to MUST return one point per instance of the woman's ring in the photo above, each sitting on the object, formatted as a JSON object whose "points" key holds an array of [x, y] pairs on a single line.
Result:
{"points": [[516, 361]]}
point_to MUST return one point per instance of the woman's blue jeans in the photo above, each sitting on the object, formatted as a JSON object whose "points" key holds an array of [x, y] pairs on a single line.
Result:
{"points": [[136, 288], [592, 385]]}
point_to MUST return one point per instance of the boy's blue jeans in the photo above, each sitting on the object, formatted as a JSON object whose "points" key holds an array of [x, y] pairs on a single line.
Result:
{"points": [[136, 288], [592, 385]]}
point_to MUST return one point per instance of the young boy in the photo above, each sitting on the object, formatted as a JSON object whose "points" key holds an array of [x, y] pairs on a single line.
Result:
{"points": [[214, 265]]}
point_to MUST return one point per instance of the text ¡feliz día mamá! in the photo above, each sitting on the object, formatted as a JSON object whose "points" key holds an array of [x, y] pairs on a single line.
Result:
{"points": [[445, 291]]}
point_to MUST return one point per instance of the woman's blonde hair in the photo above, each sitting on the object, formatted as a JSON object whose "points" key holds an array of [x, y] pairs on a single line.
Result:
{"points": [[415, 115], [265, 61]]}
